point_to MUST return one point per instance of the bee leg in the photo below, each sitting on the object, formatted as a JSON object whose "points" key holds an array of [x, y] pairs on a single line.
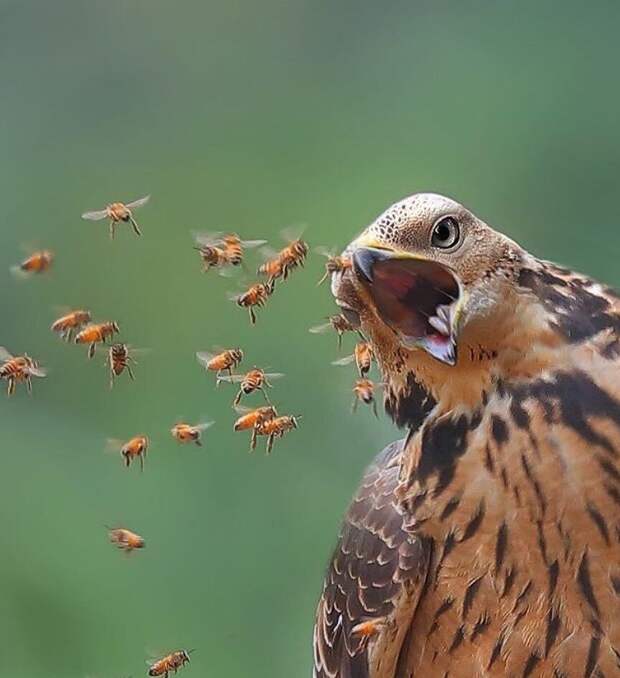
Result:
{"points": [[339, 340], [238, 397], [354, 405], [252, 315], [111, 379], [141, 462], [198, 442], [136, 229], [270, 440], [127, 460], [91, 351], [130, 373], [253, 440], [262, 390], [10, 386], [112, 228], [29, 385], [374, 407]]}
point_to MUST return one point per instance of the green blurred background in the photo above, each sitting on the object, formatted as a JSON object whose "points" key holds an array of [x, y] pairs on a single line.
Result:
{"points": [[249, 116]]}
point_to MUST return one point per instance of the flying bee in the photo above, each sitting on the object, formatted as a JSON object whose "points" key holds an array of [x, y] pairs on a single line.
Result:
{"points": [[19, 369], [116, 212], [72, 322], [219, 362], [171, 662], [254, 296], [364, 391], [218, 250], [96, 333], [118, 360], [124, 539], [280, 264], [338, 323], [254, 380], [362, 355], [186, 433], [272, 429], [334, 264], [37, 262], [250, 418], [135, 448]]}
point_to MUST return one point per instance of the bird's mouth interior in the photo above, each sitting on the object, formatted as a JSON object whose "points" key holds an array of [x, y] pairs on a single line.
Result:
{"points": [[418, 298]]}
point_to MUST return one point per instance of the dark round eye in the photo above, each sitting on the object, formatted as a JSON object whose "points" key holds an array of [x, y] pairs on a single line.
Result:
{"points": [[446, 233]]}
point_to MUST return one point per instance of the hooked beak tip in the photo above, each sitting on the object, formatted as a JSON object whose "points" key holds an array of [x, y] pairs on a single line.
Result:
{"points": [[364, 260]]}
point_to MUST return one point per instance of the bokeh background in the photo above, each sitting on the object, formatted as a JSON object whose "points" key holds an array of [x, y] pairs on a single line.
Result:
{"points": [[248, 116]]}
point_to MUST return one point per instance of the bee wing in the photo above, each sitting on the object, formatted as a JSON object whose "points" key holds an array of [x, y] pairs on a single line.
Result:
{"points": [[293, 232], [320, 329], [95, 216], [204, 357], [268, 253], [325, 252], [138, 203], [4, 354], [249, 244], [233, 296], [37, 371], [204, 426], [226, 271], [347, 360], [19, 273], [232, 379], [242, 409], [274, 375], [208, 238], [138, 351], [113, 445]]}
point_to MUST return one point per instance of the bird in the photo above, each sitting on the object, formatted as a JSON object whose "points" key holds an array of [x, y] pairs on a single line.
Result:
{"points": [[486, 542]]}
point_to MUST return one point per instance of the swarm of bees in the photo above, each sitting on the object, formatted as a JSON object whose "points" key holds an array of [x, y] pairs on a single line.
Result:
{"points": [[222, 252]]}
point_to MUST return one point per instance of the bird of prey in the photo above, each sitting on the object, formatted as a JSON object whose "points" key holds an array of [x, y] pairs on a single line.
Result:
{"points": [[487, 542]]}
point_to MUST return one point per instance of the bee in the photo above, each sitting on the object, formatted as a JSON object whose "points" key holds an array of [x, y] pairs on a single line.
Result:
{"points": [[249, 418], [334, 264], [96, 333], [219, 362], [273, 268], [119, 357], [217, 251], [66, 325], [254, 380], [135, 448], [124, 539], [186, 433], [256, 295], [37, 262], [116, 212], [366, 630], [272, 429], [18, 369], [335, 322], [364, 391], [280, 264], [362, 355], [169, 663]]}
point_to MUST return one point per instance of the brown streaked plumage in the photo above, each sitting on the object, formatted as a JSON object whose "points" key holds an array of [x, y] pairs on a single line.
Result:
{"points": [[505, 369]]}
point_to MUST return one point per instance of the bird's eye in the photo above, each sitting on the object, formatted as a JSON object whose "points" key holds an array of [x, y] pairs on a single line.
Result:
{"points": [[446, 233]]}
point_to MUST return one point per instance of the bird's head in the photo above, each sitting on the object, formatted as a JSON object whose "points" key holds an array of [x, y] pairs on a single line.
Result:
{"points": [[433, 287]]}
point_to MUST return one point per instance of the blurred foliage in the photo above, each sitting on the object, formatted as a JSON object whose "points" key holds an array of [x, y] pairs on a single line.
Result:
{"points": [[249, 116]]}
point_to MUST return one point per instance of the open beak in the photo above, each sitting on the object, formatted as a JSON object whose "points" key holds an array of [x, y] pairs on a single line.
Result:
{"points": [[420, 299]]}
